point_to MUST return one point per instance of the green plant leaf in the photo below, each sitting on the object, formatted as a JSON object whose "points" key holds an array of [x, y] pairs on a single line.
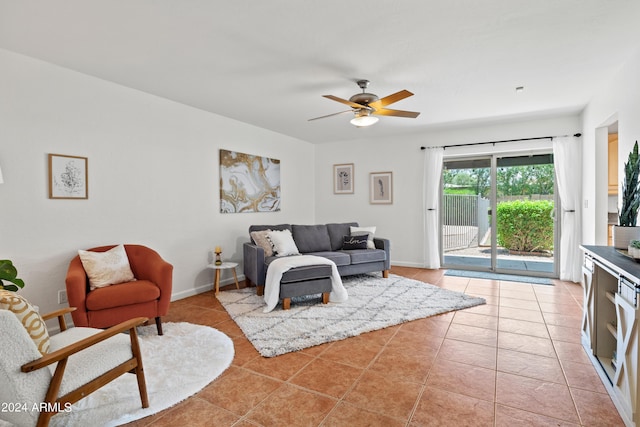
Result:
{"points": [[9, 273], [525, 225], [628, 214]]}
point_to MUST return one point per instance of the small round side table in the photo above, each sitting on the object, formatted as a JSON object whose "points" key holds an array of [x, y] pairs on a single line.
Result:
{"points": [[225, 265]]}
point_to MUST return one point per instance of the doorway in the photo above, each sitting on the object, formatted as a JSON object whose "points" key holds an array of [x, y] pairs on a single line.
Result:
{"points": [[498, 214]]}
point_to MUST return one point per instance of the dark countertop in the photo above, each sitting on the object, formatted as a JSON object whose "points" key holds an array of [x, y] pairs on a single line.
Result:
{"points": [[613, 259]]}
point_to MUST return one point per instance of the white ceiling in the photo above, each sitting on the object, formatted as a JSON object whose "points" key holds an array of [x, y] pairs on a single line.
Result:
{"points": [[268, 63]]}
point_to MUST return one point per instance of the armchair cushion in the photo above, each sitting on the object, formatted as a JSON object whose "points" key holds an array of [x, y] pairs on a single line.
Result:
{"points": [[28, 317], [91, 362], [106, 268], [18, 349], [140, 291]]}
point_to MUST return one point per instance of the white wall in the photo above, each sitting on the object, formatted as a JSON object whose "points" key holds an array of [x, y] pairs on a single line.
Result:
{"points": [[402, 221], [153, 176], [618, 100], [153, 173]]}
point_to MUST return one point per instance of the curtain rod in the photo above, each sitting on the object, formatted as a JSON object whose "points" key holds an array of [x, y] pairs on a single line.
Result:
{"points": [[577, 135]]}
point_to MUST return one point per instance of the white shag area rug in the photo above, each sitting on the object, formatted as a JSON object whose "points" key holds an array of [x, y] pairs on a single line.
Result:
{"points": [[374, 303], [177, 365]]}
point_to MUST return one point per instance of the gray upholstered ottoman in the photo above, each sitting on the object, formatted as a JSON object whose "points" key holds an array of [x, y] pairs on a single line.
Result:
{"points": [[300, 281]]}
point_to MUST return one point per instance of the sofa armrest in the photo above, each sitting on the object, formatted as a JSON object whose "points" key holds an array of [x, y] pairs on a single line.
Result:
{"points": [[253, 263], [385, 245]]}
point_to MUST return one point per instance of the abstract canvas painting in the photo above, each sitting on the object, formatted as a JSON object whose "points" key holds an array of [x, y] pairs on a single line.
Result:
{"points": [[248, 183]]}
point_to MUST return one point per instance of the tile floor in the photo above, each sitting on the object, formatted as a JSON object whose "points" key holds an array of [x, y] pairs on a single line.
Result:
{"points": [[516, 361]]}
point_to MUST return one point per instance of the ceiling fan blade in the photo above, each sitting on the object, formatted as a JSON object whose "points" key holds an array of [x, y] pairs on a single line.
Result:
{"points": [[397, 113], [329, 115], [344, 101], [387, 100]]}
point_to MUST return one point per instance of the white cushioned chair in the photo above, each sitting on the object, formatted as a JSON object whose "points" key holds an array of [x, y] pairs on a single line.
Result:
{"points": [[49, 383]]}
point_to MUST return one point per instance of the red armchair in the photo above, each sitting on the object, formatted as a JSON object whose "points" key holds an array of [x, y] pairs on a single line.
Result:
{"points": [[148, 296]]}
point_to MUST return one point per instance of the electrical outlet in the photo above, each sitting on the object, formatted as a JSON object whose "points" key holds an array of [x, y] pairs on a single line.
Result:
{"points": [[62, 297]]}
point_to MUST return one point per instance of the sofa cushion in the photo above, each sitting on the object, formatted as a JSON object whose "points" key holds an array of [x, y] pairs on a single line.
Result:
{"points": [[307, 272], [261, 239], [311, 238], [339, 258], [354, 242], [337, 232], [369, 231], [361, 256], [283, 243]]}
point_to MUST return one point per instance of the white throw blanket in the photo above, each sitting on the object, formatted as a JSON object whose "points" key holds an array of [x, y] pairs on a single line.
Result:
{"points": [[281, 265]]}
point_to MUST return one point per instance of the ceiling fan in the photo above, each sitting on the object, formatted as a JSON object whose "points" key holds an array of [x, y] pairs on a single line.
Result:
{"points": [[365, 106]]}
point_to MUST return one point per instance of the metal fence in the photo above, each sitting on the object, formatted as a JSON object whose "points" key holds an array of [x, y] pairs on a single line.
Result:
{"points": [[465, 220]]}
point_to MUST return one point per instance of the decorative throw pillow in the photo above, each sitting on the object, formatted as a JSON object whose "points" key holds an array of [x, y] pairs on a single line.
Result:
{"points": [[106, 268], [283, 243], [355, 231], [262, 239], [28, 316], [354, 242]]}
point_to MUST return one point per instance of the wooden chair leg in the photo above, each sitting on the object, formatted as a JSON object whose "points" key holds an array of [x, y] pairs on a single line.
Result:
{"points": [[385, 274], [52, 394], [259, 290], [325, 297], [159, 325], [139, 370], [286, 303]]}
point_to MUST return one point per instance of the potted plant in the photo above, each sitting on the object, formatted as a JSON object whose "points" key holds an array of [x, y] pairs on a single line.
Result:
{"points": [[8, 273], [626, 230], [634, 249]]}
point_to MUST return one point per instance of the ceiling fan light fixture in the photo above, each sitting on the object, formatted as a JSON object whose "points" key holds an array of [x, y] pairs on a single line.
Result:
{"points": [[365, 104], [364, 121], [363, 118]]}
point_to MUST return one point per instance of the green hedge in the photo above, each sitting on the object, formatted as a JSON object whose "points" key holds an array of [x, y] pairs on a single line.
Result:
{"points": [[525, 225]]}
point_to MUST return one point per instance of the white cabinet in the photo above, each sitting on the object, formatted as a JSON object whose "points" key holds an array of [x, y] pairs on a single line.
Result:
{"points": [[610, 330]]}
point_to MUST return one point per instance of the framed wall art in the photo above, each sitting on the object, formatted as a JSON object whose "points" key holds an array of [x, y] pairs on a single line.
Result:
{"points": [[68, 177], [343, 178], [381, 188], [248, 183]]}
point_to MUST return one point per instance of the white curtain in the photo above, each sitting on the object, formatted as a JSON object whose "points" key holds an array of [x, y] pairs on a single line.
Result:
{"points": [[567, 161], [432, 173]]}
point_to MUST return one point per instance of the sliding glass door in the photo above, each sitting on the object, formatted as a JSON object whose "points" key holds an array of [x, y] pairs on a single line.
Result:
{"points": [[498, 214], [466, 213]]}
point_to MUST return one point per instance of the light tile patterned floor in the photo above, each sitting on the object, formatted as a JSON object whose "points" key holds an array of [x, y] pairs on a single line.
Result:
{"points": [[516, 361]]}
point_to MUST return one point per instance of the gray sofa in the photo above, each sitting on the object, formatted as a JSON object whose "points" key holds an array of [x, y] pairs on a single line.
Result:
{"points": [[325, 240]]}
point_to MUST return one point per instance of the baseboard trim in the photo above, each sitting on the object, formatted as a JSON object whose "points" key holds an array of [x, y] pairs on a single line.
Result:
{"points": [[406, 264], [203, 288]]}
